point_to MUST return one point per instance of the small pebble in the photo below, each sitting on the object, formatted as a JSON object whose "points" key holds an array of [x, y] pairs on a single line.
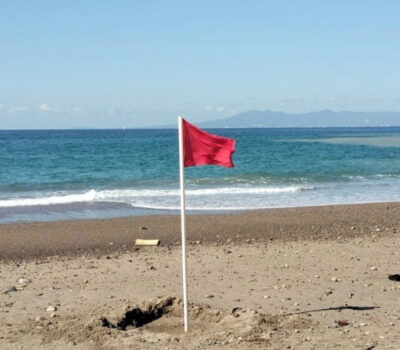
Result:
{"points": [[342, 323], [39, 318], [23, 280], [10, 289]]}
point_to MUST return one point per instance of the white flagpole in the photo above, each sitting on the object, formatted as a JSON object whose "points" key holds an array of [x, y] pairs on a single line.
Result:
{"points": [[182, 186]]}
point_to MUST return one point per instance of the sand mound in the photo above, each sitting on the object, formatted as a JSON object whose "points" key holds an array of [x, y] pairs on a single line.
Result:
{"points": [[158, 324]]}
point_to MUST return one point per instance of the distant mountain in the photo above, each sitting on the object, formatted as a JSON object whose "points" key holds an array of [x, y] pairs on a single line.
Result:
{"points": [[324, 118]]}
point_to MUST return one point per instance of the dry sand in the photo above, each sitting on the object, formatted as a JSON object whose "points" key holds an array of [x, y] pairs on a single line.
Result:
{"points": [[306, 278]]}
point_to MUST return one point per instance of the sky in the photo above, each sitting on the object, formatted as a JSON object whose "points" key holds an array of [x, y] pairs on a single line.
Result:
{"points": [[113, 64]]}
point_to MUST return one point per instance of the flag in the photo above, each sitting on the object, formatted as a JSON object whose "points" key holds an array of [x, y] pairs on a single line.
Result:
{"points": [[197, 147], [202, 148]]}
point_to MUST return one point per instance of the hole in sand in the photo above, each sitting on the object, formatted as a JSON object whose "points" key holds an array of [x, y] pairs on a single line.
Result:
{"points": [[159, 322], [137, 317]]}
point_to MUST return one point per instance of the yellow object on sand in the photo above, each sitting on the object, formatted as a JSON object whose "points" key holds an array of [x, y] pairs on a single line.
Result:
{"points": [[147, 242]]}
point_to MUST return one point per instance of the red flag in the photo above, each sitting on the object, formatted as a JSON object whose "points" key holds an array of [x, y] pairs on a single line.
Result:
{"points": [[201, 148]]}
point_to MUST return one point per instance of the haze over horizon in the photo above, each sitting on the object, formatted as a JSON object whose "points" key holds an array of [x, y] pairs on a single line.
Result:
{"points": [[103, 64]]}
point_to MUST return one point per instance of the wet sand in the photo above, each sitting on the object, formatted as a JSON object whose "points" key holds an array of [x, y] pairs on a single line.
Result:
{"points": [[304, 278], [29, 240]]}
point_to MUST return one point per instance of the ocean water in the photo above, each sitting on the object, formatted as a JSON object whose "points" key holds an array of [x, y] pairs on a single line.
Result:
{"points": [[48, 175]]}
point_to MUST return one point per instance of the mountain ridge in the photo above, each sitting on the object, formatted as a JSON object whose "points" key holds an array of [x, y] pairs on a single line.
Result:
{"points": [[322, 118]]}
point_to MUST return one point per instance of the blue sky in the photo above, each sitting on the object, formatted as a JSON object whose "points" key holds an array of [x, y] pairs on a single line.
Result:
{"points": [[140, 63]]}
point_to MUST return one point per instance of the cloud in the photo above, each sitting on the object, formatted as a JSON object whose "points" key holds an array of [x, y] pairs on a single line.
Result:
{"points": [[44, 107], [77, 109], [16, 109], [214, 108]]}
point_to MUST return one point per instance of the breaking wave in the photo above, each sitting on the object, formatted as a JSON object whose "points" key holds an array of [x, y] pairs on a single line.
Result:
{"points": [[131, 196]]}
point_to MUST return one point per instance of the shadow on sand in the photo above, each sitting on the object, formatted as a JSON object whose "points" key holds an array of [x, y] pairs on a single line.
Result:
{"points": [[335, 308]]}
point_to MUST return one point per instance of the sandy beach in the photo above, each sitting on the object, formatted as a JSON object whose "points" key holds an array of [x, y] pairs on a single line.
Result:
{"points": [[301, 278]]}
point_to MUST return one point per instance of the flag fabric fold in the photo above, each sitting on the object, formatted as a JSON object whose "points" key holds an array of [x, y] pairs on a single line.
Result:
{"points": [[202, 148]]}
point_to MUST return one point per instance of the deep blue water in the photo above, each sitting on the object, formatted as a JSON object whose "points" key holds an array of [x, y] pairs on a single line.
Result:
{"points": [[65, 174]]}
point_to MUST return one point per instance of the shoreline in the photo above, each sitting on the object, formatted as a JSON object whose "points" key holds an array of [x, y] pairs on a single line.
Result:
{"points": [[103, 236]]}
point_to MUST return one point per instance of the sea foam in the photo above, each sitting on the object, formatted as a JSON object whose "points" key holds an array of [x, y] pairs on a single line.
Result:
{"points": [[130, 196]]}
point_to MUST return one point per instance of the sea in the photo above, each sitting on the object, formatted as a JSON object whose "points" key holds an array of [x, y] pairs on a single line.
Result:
{"points": [[51, 175]]}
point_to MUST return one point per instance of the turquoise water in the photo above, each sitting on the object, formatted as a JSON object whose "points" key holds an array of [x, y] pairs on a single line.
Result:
{"points": [[67, 174]]}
